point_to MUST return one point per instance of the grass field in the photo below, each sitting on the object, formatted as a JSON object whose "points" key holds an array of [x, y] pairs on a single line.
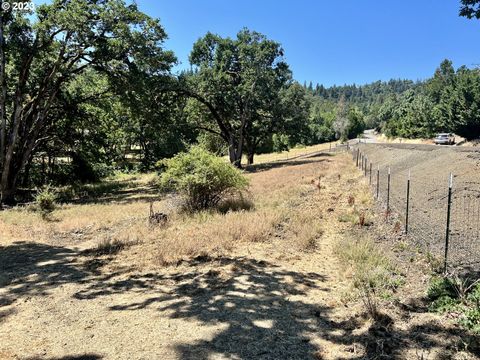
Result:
{"points": [[279, 279], [292, 153]]}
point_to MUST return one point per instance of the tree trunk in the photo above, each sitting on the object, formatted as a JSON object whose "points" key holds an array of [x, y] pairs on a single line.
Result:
{"points": [[26, 174], [235, 152], [250, 158], [251, 146], [3, 94], [7, 188]]}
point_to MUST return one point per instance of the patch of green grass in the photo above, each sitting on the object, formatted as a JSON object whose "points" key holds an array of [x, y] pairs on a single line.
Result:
{"points": [[356, 217], [347, 217]]}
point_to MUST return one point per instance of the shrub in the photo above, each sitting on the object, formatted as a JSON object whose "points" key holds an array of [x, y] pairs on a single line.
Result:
{"points": [[458, 295], [203, 178], [45, 200], [280, 142], [108, 246]]}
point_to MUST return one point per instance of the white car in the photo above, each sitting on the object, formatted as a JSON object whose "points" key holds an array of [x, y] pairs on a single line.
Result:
{"points": [[444, 139]]}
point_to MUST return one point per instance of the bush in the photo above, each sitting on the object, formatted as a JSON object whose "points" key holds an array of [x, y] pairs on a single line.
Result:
{"points": [[280, 142], [458, 295], [45, 200], [203, 178]]}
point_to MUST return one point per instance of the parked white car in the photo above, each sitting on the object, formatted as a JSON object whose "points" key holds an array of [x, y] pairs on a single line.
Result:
{"points": [[444, 139]]}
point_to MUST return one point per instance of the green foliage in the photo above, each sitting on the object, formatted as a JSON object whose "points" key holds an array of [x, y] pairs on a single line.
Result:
{"points": [[356, 123], [212, 143], [280, 142], [448, 102], [45, 200], [470, 9], [49, 52], [242, 90], [454, 294], [97, 94], [441, 287], [203, 178]]}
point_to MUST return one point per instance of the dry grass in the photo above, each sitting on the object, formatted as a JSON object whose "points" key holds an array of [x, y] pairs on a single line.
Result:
{"points": [[277, 206], [246, 282], [370, 271], [213, 234], [292, 153]]}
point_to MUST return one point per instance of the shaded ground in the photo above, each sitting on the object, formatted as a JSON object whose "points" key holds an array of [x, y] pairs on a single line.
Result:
{"points": [[259, 300]]}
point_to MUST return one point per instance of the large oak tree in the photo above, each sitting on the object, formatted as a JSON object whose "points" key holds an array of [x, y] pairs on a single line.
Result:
{"points": [[41, 53], [239, 83]]}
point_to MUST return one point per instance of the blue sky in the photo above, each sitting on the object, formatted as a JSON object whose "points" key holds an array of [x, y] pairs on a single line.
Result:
{"points": [[333, 42]]}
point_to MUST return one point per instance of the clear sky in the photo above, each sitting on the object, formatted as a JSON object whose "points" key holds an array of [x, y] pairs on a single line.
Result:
{"points": [[331, 41]]}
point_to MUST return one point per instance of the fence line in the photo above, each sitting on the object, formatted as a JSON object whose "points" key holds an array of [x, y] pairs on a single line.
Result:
{"points": [[445, 221]]}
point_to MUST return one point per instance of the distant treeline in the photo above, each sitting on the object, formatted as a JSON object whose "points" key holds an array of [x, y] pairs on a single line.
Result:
{"points": [[449, 101]]}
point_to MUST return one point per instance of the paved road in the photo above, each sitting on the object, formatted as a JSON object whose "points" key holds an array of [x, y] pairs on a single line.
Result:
{"points": [[370, 137]]}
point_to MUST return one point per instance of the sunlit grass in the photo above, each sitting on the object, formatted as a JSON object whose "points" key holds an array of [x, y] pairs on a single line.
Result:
{"points": [[286, 155]]}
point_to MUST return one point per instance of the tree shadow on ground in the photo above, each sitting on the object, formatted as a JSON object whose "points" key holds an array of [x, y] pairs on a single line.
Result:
{"points": [[127, 193], [253, 298], [33, 269], [262, 313], [70, 357], [262, 310], [286, 163]]}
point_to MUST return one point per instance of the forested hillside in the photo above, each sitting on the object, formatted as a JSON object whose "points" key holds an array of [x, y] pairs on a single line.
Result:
{"points": [[449, 101]]}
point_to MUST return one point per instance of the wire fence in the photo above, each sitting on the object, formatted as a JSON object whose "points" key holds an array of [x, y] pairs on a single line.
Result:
{"points": [[439, 213]]}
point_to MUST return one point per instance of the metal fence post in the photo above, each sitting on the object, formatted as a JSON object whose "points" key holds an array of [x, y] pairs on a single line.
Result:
{"points": [[370, 173], [365, 167], [330, 149], [408, 203], [388, 193], [378, 180], [449, 207], [358, 154]]}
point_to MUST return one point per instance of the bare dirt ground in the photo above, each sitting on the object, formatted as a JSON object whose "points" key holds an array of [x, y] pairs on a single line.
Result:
{"points": [[258, 284]]}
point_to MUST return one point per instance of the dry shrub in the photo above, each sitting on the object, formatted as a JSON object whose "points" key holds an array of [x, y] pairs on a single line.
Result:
{"points": [[108, 246], [397, 227], [317, 183], [365, 197], [351, 200], [361, 219], [306, 238], [305, 229]]}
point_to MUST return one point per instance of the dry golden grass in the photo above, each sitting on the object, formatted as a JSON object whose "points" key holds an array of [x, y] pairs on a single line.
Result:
{"points": [[292, 153], [278, 205], [271, 275], [384, 139]]}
